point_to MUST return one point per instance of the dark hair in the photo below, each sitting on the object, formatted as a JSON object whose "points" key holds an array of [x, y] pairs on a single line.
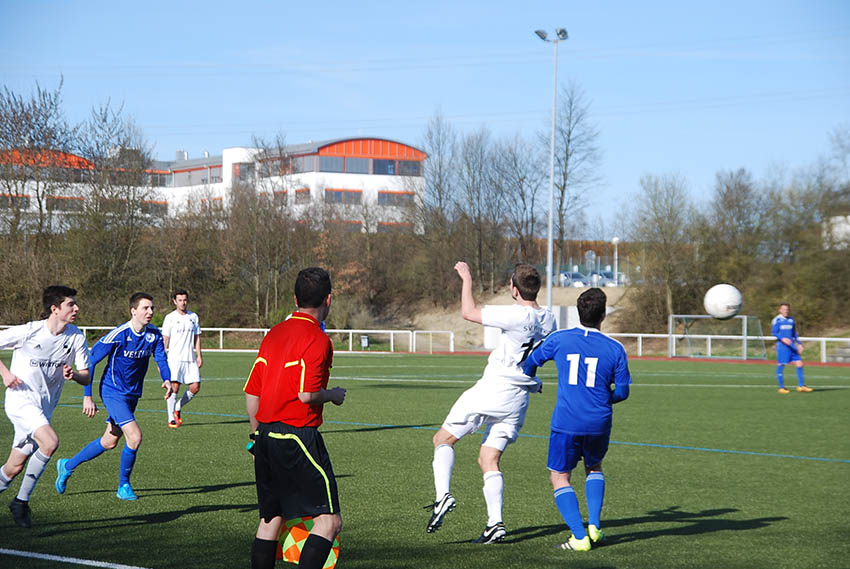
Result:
{"points": [[55, 295], [781, 304], [179, 291], [591, 307], [312, 287], [527, 280], [137, 296]]}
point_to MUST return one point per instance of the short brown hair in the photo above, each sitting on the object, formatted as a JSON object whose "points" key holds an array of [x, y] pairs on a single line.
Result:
{"points": [[527, 281]]}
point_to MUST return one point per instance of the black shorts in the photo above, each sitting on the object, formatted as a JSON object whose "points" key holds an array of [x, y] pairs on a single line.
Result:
{"points": [[294, 473]]}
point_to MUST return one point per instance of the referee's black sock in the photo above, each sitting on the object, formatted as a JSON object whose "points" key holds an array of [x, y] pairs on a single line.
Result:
{"points": [[315, 552], [263, 553]]}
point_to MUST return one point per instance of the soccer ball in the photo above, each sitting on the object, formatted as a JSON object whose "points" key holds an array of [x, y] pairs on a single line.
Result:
{"points": [[723, 301]]}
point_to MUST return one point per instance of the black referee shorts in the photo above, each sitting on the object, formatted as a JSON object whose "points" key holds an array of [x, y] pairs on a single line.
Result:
{"points": [[294, 473]]}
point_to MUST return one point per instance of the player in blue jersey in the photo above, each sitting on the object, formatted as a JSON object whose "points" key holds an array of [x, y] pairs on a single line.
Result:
{"points": [[589, 364], [788, 348], [128, 349]]}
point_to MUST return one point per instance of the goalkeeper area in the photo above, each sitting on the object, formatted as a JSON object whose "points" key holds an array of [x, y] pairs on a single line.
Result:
{"points": [[708, 467], [701, 336]]}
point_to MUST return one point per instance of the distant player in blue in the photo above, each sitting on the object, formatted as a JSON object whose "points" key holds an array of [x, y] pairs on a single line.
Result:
{"points": [[128, 349], [589, 363], [788, 348]]}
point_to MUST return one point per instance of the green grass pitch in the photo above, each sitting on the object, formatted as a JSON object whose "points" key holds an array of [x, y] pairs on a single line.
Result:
{"points": [[709, 467]]}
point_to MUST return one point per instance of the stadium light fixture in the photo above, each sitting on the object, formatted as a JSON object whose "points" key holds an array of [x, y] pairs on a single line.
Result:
{"points": [[560, 34]]}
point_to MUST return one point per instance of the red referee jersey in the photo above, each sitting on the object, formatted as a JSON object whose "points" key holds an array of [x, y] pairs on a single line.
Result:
{"points": [[295, 356]]}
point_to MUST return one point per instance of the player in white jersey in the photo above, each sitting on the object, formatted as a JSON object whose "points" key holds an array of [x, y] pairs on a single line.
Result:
{"points": [[181, 332], [498, 401], [41, 363]]}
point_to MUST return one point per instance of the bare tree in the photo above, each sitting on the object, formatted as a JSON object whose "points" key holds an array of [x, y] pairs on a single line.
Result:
{"points": [[577, 161], [518, 173], [660, 222], [35, 164]]}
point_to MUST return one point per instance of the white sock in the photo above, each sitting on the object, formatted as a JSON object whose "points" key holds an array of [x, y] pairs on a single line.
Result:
{"points": [[494, 492], [4, 480], [35, 467], [187, 396], [169, 404], [444, 462]]}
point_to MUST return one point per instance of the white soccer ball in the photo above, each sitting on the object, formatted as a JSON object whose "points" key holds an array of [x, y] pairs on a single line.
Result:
{"points": [[723, 301]]}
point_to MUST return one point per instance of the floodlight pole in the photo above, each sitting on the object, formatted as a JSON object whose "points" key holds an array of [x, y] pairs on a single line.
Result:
{"points": [[560, 34], [615, 241]]}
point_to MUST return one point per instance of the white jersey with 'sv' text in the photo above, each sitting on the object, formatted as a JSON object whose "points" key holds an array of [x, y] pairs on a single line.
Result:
{"points": [[523, 328]]}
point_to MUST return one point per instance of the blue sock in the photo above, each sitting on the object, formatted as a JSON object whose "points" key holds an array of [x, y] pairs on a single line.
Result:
{"points": [[594, 489], [92, 450], [565, 499], [128, 459], [800, 381], [779, 376]]}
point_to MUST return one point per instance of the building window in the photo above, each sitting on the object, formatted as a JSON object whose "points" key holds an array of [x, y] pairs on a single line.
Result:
{"points": [[17, 201], [395, 198], [63, 203], [397, 227], [348, 226], [343, 196], [331, 164], [357, 165], [302, 195], [280, 197], [409, 168], [155, 207], [304, 164], [243, 172], [384, 167]]}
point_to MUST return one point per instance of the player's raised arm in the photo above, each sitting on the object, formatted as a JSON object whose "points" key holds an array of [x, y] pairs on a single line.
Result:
{"points": [[467, 302]]}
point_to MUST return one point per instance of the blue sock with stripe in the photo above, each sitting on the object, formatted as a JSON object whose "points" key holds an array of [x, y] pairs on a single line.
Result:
{"points": [[565, 499], [800, 381], [779, 376], [128, 459], [92, 450], [594, 490]]}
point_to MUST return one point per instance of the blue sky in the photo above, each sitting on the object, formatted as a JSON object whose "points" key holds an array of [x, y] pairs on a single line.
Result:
{"points": [[675, 87]]}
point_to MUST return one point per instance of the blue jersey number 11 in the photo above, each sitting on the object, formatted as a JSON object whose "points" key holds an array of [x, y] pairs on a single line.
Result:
{"points": [[573, 360]]}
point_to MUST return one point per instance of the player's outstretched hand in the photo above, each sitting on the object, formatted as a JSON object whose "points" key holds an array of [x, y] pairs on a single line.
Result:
{"points": [[337, 395], [89, 407], [463, 270], [11, 381]]}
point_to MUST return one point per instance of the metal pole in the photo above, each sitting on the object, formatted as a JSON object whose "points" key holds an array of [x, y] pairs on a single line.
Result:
{"points": [[549, 247]]}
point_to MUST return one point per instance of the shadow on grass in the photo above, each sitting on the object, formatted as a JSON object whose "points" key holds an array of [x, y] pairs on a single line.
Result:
{"points": [[368, 428], [675, 521], [418, 386], [76, 526], [149, 492]]}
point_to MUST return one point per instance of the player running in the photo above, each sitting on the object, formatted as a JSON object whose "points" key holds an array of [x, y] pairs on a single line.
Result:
{"points": [[129, 348], [41, 363], [498, 401], [589, 363], [181, 333]]}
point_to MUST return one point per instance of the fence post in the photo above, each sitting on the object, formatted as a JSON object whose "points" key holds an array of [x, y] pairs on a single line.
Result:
{"points": [[221, 339]]}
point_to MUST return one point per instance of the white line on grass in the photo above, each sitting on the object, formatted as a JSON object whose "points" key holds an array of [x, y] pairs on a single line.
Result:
{"points": [[72, 560]]}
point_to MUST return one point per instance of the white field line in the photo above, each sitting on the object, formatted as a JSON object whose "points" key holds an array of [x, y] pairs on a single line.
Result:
{"points": [[71, 560]]}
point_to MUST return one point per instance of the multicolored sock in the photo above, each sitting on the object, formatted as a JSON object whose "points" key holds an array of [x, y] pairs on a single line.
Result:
{"points": [[594, 489], [567, 502]]}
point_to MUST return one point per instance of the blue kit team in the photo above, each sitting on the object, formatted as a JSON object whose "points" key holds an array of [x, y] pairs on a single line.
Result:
{"points": [[788, 348], [127, 349], [589, 365]]}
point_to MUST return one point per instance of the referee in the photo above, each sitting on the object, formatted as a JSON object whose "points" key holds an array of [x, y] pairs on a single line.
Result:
{"points": [[284, 397]]}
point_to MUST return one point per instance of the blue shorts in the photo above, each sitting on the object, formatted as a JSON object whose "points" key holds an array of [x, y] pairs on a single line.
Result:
{"points": [[120, 407], [785, 355], [566, 450]]}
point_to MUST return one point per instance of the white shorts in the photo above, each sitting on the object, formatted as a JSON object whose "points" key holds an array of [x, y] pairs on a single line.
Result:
{"points": [[185, 372], [499, 405], [27, 417]]}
